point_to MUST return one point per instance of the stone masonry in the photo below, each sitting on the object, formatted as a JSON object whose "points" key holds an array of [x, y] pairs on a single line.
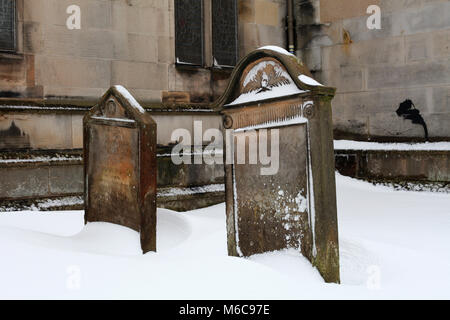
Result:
{"points": [[375, 70], [127, 42]]}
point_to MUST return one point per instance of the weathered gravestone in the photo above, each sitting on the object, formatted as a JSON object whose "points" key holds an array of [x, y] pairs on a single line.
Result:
{"points": [[290, 204], [120, 165]]}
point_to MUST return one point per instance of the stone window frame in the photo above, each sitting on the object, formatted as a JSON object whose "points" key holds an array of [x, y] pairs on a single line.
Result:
{"points": [[17, 53], [208, 59]]}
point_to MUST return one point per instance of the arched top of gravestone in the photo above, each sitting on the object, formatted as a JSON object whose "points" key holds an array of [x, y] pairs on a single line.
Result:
{"points": [[119, 106], [269, 73]]}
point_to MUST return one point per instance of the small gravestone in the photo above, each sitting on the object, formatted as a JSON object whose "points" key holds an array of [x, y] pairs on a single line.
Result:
{"points": [[291, 203], [120, 165]]}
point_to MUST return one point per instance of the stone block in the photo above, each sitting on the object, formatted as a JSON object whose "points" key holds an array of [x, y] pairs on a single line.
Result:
{"points": [[61, 41], [384, 101], [66, 180], [391, 125], [147, 96], [440, 100], [414, 74], [73, 72], [266, 13], [402, 22], [94, 13], [367, 53], [140, 75], [350, 128], [418, 21], [166, 50], [399, 5], [358, 31], [33, 36], [142, 48], [441, 44], [418, 47], [312, 58], [168, 123], [438, 125], [246, 9], [119, 14], [345, 79], [248, 35], [148, 20], [35, 10], [270, 35], [23, 182], [81, 93], [43, 131], [121, 50], [196, 82], [97, 44], [173, 97], [331, 10], [97, 14], [77, 131], [418, 166], [12, 71]]}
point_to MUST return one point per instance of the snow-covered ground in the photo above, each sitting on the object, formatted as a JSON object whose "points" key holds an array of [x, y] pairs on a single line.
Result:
{"points": [[392, 244], [364, 145]]}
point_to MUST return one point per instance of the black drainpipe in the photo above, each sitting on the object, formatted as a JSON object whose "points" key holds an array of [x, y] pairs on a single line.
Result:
{"points": [[290, 26]]}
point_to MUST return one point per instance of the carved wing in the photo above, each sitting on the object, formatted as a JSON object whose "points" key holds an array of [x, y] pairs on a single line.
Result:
{"points": [[276, 79], [254, 84]]}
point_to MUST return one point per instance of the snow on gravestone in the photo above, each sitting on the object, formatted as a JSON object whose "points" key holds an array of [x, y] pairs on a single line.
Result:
{"points": [[292, 204], [120, 165]]}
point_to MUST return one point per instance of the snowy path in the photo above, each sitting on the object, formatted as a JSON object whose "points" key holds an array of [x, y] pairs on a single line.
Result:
{"points": [[400, 238]]}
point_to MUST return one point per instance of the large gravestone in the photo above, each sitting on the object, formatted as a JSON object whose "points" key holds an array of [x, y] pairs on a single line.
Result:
{"points": [[291, 204], [120, 165]]}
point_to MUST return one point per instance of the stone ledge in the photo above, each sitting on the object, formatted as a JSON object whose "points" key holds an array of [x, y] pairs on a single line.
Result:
{"points": [[76, 107], [39, 159], [396, 166], [177, 199], [43, 204], [191, 198], [417, 186]]}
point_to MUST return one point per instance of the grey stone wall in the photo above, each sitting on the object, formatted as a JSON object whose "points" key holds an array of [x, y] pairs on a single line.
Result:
{"points": [[375, 70]]}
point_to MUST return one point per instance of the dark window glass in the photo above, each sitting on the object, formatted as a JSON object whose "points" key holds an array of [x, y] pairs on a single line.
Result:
{"points": [[7, 25], [189, 32], [224, 32]]}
